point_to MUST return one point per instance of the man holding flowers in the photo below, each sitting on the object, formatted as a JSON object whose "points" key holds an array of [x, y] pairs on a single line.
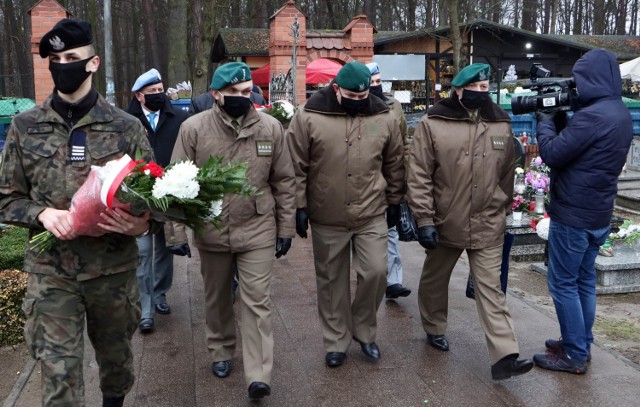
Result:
{"points": [[250, 226], [47, 157]]}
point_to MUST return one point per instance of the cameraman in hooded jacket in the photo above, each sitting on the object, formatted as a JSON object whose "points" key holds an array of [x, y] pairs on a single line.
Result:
{"points": [[585, 158]]}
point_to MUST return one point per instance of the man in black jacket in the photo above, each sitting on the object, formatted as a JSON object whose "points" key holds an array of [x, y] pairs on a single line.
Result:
{"points": [[162, 122]]}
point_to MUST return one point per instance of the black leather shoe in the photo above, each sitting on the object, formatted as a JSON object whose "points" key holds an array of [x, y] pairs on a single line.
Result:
{"points": [[369, 349], [112, 401], [221, 369], [257, 390], [510, 366], [438, 341], [163, 308], [146, 325], [397, 290], [335, 359]]}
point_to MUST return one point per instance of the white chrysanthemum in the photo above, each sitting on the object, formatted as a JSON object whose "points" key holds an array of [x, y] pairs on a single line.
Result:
{"points": [[519, 170], [179, 181], [185, 169], [215, 209], [542, 228], [288, 107]]}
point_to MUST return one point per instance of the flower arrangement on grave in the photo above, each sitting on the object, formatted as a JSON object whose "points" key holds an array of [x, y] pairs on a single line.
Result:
{"points": [[537, 177], [519, 204], [629, 232], [181, 192]]}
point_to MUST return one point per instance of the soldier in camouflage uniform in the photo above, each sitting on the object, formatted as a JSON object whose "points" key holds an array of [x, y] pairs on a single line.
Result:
{"points": [[48, 154]]}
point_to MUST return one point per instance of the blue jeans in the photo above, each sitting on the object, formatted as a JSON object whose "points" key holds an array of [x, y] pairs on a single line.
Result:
{"points": [[572, 283]]}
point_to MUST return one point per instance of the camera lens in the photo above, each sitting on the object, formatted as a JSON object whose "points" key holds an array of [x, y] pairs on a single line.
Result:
{"points": [[523, 104]]}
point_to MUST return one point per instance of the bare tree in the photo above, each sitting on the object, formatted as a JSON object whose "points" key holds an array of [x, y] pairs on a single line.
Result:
{"points": [[454, 26]]}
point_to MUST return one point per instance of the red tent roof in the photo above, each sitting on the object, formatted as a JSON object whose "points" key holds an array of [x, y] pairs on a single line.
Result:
{"points": [[319, 71]]}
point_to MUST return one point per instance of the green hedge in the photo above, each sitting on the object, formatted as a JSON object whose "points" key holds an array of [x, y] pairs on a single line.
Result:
{"points": [[12, 242], [13, 284]]}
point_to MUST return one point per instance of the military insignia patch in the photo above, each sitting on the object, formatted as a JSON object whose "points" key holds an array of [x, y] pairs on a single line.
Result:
{"points": [[362, 87], [498, 142], [56, 43], [482, 75], [78, 145], [264, 148]]}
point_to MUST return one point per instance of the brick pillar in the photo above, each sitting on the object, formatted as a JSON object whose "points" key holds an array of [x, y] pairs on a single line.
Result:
{"points": [[281, 46], [359, 33], [44, 15]]}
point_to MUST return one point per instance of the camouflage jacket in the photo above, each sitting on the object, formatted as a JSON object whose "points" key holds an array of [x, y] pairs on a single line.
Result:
{"points": [[36, 172]]}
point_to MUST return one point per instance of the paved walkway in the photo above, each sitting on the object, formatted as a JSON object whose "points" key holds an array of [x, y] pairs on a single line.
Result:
{"points": [[172, 364]]}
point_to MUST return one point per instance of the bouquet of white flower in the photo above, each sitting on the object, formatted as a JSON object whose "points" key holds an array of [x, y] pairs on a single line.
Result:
{"points": [[181, 193]]}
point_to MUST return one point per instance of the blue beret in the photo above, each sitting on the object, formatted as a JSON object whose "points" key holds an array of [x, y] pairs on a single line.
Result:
{"points": [[373, 68], [354, 76], [151, 77], [471, 73], [66, 34], [230, 74]]}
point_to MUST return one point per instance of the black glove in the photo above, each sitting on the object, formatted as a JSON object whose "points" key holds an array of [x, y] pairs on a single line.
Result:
{"points": [[283, 244], [560, 120], [428, 237], [542, 117], [393, 215], [302, 222], [180, 250]]}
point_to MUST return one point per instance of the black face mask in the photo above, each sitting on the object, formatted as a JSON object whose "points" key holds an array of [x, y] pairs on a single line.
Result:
{"points": [[236, 106], [154, 101], [376, 90], [472, 99], [68, 77], [352, 106]]}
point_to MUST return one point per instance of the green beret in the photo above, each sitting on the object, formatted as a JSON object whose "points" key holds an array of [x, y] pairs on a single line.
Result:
{"points": [[354, 76], [230, 74], [470, 74]]}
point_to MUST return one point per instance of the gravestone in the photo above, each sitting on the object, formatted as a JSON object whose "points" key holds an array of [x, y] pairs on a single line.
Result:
{"points": [[614, 275]]}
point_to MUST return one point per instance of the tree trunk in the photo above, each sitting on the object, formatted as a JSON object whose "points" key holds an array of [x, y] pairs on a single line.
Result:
{"points": [[369, 8], [177, 39], [554, 16], [529, 14], [151, 44], [454, 28], [411, 14], [621, 17], [330, 14]]}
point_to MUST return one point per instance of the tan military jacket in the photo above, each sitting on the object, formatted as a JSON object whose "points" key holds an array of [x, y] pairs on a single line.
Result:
{"points": [[461, 174], [36, 172], [348, 168], [248, 223]]}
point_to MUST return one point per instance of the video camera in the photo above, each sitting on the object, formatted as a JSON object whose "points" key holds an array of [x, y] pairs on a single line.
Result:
{"points": [[551, 96]]}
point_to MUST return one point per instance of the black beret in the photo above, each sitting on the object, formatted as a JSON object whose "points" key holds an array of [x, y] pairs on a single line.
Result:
{"points": [[66, 34]]}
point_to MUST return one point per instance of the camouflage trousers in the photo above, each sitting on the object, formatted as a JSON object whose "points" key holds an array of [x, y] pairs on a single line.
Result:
{"points": [[56, 310]]}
